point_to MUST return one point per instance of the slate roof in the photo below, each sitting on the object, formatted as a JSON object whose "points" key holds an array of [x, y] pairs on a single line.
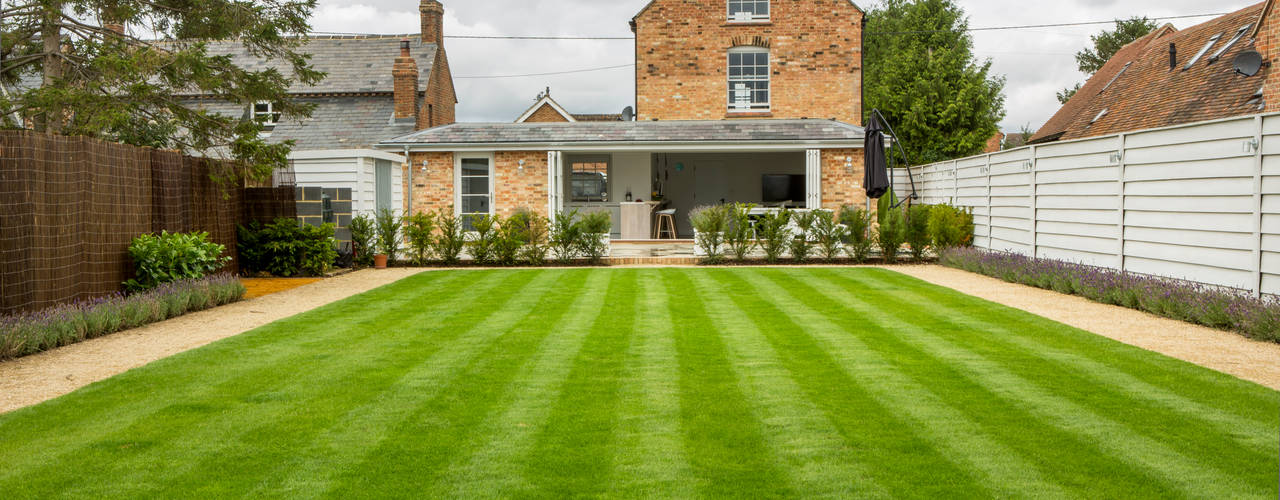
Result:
{"points": [[745, 131], [336, 123], [1149, 95], [354, 64]]}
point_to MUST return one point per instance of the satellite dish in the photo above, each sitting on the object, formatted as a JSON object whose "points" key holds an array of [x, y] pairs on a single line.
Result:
{"points": [[1248, 63], [628, 114]]}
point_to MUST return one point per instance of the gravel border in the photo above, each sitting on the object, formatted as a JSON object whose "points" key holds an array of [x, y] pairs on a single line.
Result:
{"points": [[1219, 350]]}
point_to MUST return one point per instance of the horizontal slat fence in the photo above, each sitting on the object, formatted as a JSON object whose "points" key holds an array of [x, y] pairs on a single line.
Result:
{"points": [[1198, 202], [69, 207]]}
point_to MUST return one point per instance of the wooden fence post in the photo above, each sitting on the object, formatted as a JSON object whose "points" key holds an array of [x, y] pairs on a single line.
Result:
{"points": [[1257, 206], [1035, 213], [1120, 210]]}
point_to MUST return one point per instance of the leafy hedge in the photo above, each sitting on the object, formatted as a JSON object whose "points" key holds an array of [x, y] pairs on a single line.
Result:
{"points": [[1229, 309], [287, 248], [168, 257], [26, 334]]}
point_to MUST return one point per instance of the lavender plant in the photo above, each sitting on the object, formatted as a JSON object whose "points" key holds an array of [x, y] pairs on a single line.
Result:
{"points": [[1215, 307], [33, 332]]}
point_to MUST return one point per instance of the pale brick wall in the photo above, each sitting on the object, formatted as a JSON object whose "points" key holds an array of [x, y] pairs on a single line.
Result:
{"points": [[432, 190], [514, 189], [840, 186], [815, 54]]}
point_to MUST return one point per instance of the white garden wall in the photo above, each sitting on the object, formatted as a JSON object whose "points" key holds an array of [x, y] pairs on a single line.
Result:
{"points": [[1198, 202]]}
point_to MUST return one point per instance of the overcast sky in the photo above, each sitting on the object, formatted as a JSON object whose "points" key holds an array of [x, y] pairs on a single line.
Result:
{"points": [[1037, 62]]}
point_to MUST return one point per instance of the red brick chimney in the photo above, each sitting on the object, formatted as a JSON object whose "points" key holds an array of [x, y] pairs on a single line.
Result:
{"points": [[405, 77], [432, 22]]}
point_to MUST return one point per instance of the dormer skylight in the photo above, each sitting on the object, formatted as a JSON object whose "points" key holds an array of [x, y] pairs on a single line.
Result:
{"points": [[1117, 77], [1205, 50], [1239, 34], [1099, 117]]}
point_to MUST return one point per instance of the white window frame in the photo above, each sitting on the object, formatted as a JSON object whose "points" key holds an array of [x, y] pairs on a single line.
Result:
{"points": [[1239, 34], [1207, 45], [751, 107], [748, 17], [457, 181], [272, 114]]}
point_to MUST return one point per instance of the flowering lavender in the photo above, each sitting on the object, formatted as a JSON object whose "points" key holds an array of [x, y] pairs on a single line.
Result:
{"points": [[33, 332], [1216, 307]]}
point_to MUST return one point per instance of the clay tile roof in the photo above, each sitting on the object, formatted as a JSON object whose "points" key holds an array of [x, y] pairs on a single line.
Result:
{"points": [[1137, 90]]}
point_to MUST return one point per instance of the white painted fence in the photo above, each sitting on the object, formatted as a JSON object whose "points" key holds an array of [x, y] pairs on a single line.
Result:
{"points": [[1198, 202]]}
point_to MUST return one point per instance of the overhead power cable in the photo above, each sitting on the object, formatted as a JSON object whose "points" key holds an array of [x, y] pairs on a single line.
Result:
{"points": [[913, 32], [587, 70]]}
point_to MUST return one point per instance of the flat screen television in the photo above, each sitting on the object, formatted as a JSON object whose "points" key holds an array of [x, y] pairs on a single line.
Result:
{"points": [[778, 188]]}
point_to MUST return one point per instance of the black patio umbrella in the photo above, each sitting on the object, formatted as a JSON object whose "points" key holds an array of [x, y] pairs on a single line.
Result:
{"points": [[876, 169]]}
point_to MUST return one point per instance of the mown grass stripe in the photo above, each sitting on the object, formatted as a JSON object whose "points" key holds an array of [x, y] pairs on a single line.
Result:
{"points": [[1208, 387], [493, 467], [652, 462], [1222, 447], [261, 439], [816, 456], [573, 455], [1186, 474], [1015, 453], [723, 439], [444, 402], [897, 418], [1011, 332], [262, 362]]}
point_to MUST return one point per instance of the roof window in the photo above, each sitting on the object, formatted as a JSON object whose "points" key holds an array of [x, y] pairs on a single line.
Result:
{"points": [[1205, 50], [1117, 77], [1099, 117], [1239, 34]]}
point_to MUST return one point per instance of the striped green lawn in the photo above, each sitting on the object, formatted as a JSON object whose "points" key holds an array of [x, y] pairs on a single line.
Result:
{"points": [[662, 383]]}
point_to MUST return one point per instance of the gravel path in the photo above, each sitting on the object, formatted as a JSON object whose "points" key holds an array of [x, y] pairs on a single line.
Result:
{"points": [[32, 379], [1222, 351]]}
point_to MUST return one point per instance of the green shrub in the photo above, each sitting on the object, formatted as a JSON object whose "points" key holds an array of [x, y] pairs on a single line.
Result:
{"points": [[565, 235], [829, 234], [592, 235], [891, 234], [418, 230], [387, 224], [170, 257], [950, 227], [534, 251], [773, 234], [801, 244], [740, 235], [484, 238], [510, 238], [710, 223], [450, 240], [287, 248], [362, 239], [917, 230], [857, 222], [884, 204]]}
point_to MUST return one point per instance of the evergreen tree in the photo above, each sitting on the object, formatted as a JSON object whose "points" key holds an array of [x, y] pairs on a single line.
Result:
{"points": [[112, 69], [922, 74]]}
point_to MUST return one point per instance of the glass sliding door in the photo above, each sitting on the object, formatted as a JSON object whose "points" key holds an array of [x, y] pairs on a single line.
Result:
{"points": [[475, 188]]}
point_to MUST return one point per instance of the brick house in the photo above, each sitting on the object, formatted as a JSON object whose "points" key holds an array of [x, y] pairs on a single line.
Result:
{"points": [[1171, 77], [376, 87], [736, 101], [547, 110]]}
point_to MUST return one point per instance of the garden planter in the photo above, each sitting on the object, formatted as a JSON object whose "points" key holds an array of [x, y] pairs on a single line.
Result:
{"points": [[380, 261]]}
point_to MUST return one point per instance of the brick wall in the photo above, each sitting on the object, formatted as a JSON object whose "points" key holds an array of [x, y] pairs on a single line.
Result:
{"points": [[440, 99], [433, 189], [514, 189], [815, 51], [546, 114], [840, 185]]}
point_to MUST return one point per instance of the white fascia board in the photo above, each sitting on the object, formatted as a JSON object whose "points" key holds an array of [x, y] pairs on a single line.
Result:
{"points": [[549, 102], [634, 146], [326, 154]]}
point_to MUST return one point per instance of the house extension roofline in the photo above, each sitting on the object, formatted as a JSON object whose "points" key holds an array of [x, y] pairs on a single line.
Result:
{"points": [[617, 146]]}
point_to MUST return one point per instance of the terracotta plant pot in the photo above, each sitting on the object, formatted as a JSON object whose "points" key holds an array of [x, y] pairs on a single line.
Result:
{"points": [[380, 261]]}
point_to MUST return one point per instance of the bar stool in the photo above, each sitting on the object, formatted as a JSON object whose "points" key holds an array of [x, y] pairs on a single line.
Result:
{"points": [[666, 224]]}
